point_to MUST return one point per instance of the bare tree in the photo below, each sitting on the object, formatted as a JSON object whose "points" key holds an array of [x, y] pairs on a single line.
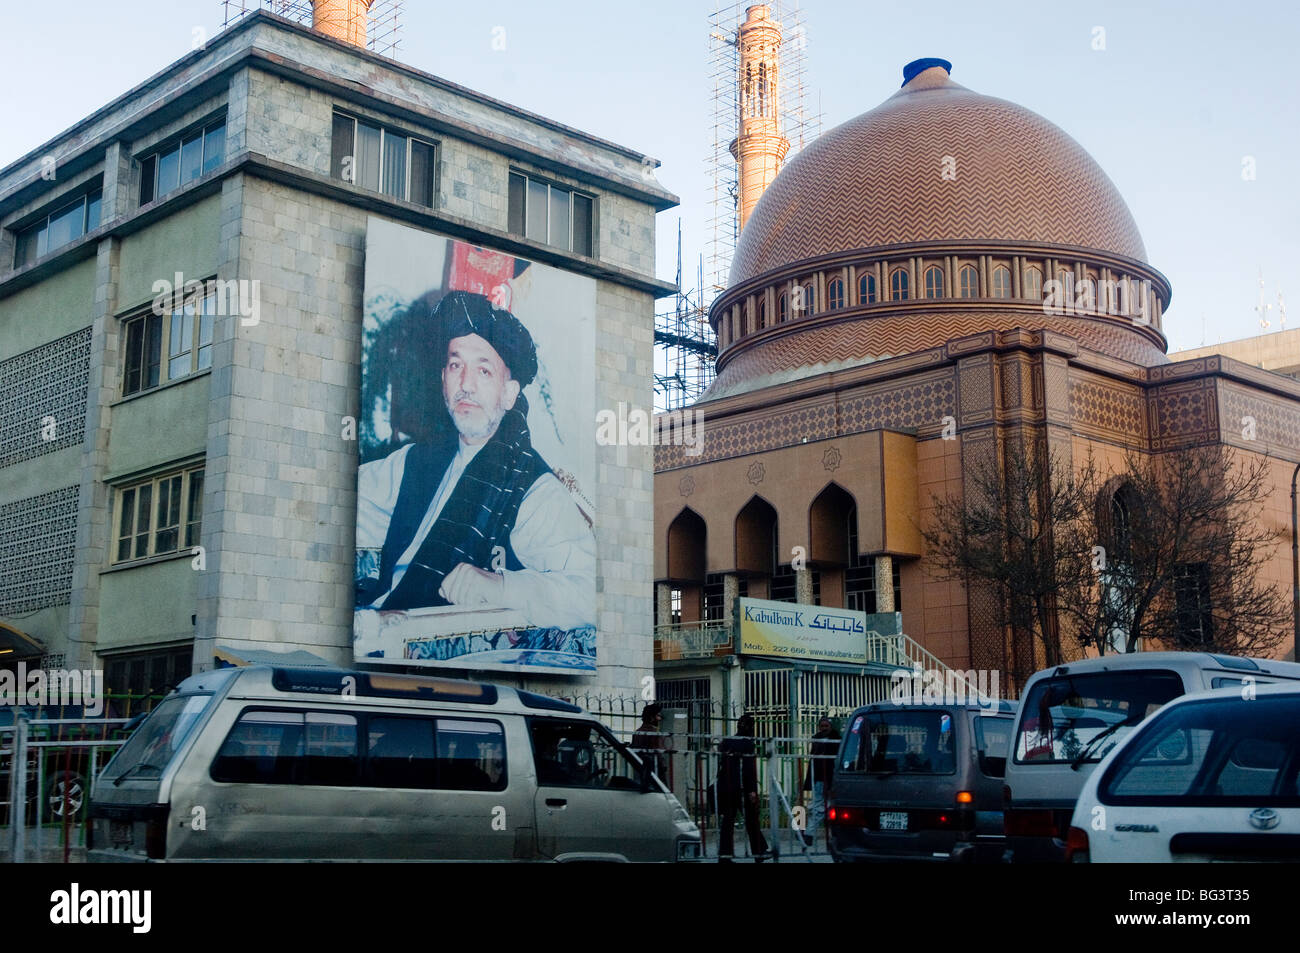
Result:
{"points": [[1184, 549], [1018, 527]]}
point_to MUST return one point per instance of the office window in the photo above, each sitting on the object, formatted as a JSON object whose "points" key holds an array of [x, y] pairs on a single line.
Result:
{"points": [[934, 282], [382, 160], [64, 225], [182, 160], [152, 514], [183, 334], [550, 214]]}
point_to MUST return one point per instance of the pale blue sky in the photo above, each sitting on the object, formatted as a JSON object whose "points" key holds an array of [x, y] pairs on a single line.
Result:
{"points": [[1181, 93]]}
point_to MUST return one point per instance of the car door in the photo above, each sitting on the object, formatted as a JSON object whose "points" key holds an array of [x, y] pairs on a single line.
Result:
{"points": [[589, 803]]}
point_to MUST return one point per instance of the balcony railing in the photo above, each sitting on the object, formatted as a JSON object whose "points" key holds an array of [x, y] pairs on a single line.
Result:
{"points": [[693, 639]]}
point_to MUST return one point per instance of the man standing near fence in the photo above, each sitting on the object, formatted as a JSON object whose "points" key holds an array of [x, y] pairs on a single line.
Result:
{"points": [[738, 790], [825, 749], [649, 741]]}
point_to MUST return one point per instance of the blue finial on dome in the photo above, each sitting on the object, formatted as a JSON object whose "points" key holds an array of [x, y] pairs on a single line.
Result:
{"points": [[914, 68]]}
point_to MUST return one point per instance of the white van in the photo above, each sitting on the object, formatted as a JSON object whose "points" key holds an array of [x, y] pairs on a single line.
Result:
{"points": [[269, 763], [1070, 716]]}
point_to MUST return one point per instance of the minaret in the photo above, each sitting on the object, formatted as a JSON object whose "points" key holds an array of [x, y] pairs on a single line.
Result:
{"points": [[342, 19], [759, 148]]}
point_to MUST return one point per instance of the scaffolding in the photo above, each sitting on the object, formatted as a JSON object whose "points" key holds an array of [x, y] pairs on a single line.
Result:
{"points": [[383, 26], [799, 124], [685, 348]]}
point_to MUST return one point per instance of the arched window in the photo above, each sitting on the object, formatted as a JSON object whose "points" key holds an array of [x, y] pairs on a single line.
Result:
{"points": [[969, 281], [835, 295], [867, 289], [1002, 282], [809, 299], [898, 284], [783, 307], [934, 282], [762, 312], [1032, 283]]}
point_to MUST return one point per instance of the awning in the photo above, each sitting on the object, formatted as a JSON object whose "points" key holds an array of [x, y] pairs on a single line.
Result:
{"points": [[16, 645]]}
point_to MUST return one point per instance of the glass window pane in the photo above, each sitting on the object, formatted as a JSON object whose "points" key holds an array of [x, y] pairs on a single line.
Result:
{"points": [[471, 755], [394, 165], [518, 185], [367, 157], [142, 521], [214, 146], [134, 357], [537, 199], [66, 224], [167, 535], [421, 173], [208, 307], [27, 242], [341, 153], [147, 184], [401, 753], [169, 165], [191, 158], [582, 225], [559, 224], [93, 204], [124, 524], [194, 509], [152, 349]]}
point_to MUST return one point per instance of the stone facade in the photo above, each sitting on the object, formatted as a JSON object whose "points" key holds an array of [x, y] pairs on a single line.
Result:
{"points": [[266, 421]]}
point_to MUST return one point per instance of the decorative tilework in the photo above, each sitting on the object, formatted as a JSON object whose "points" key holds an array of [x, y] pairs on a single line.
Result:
{"points": [[1120, 411], [48, 381], [37, 543]]}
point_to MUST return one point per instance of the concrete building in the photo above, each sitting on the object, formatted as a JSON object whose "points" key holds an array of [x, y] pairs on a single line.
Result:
{"points": [[171, 486], [924, 283]]}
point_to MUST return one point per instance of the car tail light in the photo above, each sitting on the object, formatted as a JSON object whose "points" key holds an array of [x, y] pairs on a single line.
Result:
{"points": [[1076, 846], [845, 816], [965, 797], [1029, 823]]}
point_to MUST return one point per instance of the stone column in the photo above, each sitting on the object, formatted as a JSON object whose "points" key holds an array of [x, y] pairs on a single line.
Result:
{"points": [[663, 603], [803, 586], [885, 584]]}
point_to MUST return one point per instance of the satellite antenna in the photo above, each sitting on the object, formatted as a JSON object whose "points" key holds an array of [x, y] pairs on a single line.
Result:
{"points": [[1263, 308]]}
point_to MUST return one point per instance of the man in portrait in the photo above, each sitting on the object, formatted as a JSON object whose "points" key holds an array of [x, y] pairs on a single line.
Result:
{"points": [[469, 514]]}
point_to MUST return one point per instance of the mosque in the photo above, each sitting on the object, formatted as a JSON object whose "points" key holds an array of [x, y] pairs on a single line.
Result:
{"points": [[942, 273]]}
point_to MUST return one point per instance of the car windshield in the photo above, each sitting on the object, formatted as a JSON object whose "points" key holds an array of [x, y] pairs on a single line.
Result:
{"points": [[1228, 752], [900, 742], [157, 740], [1077, 718]]}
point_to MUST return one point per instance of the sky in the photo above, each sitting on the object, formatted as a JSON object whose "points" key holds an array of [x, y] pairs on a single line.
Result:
{"points": [[1189, 107]]}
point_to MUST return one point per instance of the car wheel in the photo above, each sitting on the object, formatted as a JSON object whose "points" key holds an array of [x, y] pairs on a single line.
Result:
{"points": [[65, 791]]}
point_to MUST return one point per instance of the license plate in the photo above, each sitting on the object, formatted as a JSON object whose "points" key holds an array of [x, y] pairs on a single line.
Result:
{"points": [[893, 820], [119, 833]]}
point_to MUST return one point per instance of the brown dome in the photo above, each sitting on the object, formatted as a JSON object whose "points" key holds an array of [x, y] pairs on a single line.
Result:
{"points": [[878, 180]]}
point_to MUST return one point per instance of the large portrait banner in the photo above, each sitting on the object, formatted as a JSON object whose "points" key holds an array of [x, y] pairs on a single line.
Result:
{"points": [[475, 544]]}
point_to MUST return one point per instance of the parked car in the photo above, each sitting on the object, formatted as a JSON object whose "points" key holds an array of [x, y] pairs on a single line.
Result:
{"points": [[61, 761], [921, 782], [1211, 777], [272, 763], [1072, 715]]}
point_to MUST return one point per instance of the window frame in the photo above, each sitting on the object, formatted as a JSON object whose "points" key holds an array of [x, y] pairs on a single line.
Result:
{"points": [[530, 179], [867, 288], [1000, 281], [1037, 283], [899, 284], [204, 304], [150, 160], [28, 239], [128, 494], [968, 279], [386, 131], [933, 282], [835, 294]]}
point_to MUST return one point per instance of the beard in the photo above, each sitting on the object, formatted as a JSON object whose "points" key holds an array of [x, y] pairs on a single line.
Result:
{"points": [[474, 424]]}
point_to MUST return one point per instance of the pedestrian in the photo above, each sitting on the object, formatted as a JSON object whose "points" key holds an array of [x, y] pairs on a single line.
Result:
{"points": [[737, 788], [821, 769], [649, 741]]}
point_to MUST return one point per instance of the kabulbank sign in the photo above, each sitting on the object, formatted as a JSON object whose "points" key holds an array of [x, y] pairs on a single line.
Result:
{"points": [[792, 631]]}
